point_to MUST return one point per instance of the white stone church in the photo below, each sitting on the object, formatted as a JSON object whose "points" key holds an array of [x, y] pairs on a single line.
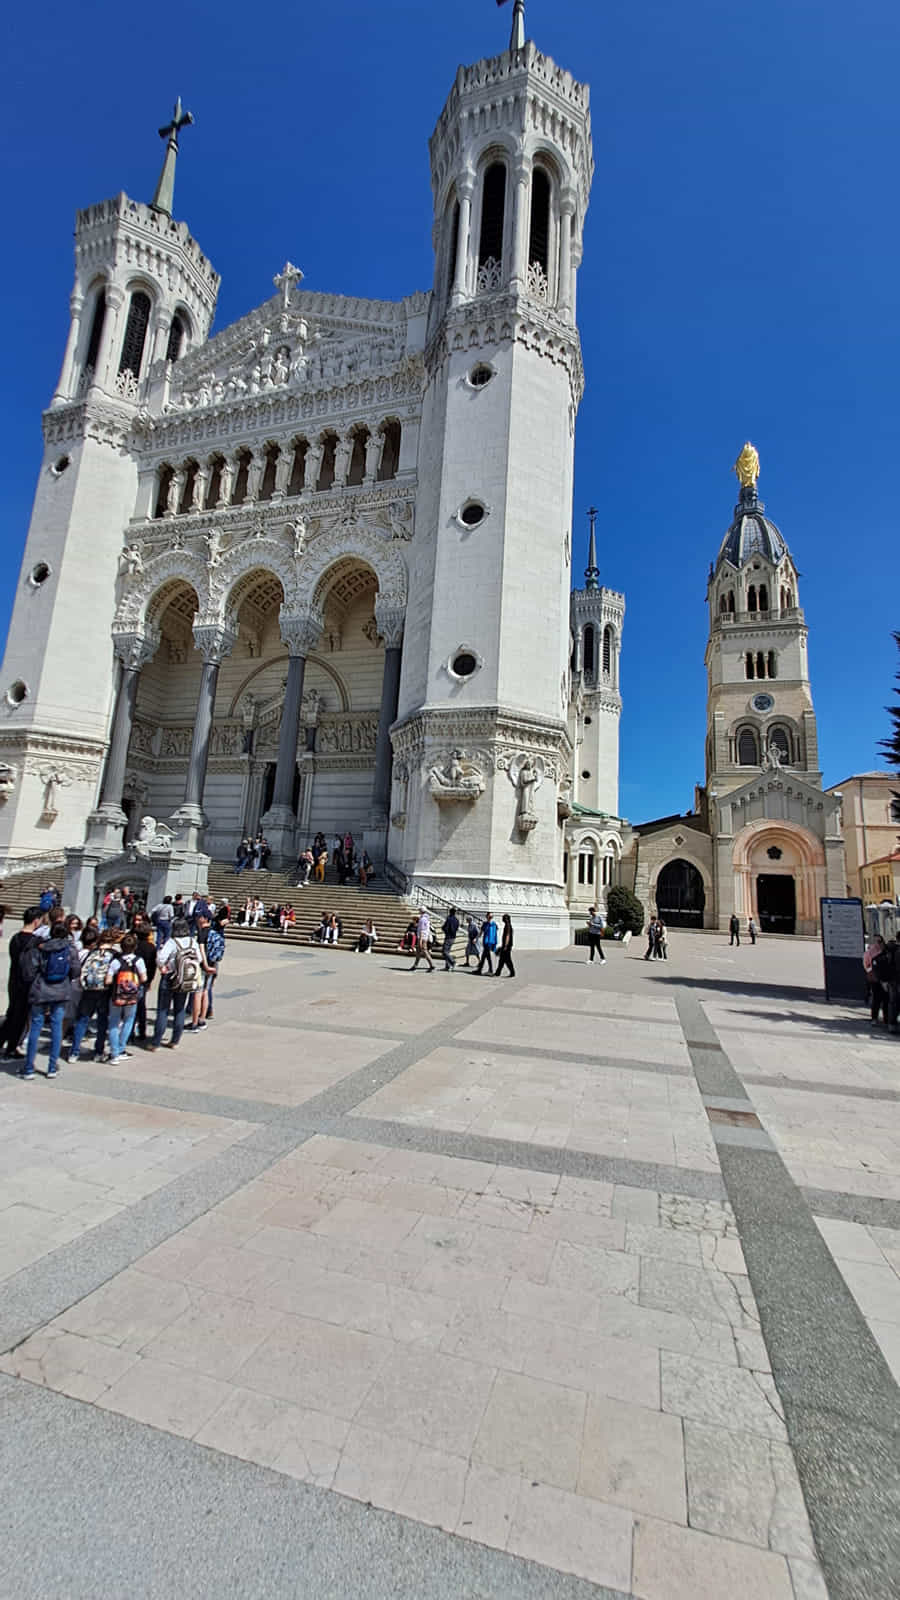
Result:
{"points": [[313, 571]]}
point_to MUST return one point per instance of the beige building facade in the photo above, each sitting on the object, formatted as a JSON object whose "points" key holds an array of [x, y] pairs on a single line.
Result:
{"points": [[880, 880], [764, 839], [871, 822]]}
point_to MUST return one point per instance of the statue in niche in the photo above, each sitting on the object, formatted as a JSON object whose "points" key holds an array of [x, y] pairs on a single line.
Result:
{"points": [[280, 367], [527, 775], [457, 779], [312, 705], [53, 779], [131, 562], [773, 760]]}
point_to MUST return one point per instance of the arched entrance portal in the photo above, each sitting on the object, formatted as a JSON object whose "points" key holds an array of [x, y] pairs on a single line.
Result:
{"points": [[680, 895], [776, 899]]}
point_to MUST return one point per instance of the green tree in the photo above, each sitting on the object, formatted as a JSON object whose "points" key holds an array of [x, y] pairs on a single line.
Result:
{"points": [[624, 909], [890, 748]]}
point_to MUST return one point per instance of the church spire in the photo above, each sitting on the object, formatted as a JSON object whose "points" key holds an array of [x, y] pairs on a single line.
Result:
{"points": [[517, 35], [592, 571], [164, 196]]}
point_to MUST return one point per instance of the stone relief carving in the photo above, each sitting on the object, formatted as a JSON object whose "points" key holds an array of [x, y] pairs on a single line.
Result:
{"points": [[457, 778], [526, 774], [131, 562], [8, 776], [348, 736], [53, 779]]}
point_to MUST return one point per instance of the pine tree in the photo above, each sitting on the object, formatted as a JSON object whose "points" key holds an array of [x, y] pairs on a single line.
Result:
{"points": [[890, 748]]}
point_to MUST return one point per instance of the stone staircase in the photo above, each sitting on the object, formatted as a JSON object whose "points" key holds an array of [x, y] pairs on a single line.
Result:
{"points": [[23, 889], [389, 912]]}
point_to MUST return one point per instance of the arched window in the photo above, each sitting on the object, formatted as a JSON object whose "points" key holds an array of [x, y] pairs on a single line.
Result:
{"points": [[751, 597], [779, 739], [267, 487], [731, 602], [763, 598], [493, 207], [539, 230], [239, 492], [298, 469], [723, 604], [607, 650], [390, 455], [177, 332], [748, 665], [760, 664], [747, 748], [357, 469], [326, 472], [135, 334], [93, 349], [585, 866], [772, 664], [214, 487], [587, 651], [453, 249], [166, 474]]}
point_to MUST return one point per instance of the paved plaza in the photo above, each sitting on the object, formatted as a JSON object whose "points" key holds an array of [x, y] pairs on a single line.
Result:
{"points": [[417, 1286]]}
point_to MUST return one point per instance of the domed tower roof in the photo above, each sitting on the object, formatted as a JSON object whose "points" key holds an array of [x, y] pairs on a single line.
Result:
{"points": [[752, 533]]}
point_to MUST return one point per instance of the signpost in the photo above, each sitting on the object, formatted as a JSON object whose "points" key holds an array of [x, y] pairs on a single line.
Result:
{"points": [[843, 943]]}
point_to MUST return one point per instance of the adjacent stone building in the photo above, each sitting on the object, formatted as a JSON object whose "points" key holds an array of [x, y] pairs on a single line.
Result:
{"points": [[313, 571], [764, 839]]}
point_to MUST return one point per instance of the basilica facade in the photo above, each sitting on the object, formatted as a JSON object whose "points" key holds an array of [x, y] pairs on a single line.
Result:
{"points": [[313, 571]]}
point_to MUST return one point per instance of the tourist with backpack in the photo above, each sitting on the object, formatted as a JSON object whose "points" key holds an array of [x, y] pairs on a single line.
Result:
{"points": [[50, 968], [126, 978], [16, 1019], [181, 974], [488, 945], [96, 958], [211, 942]]}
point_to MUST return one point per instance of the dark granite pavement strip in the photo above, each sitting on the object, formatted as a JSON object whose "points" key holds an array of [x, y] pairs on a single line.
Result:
{"points": [[873, 1211], [200, 1102], [529, 1052], [533, 1157], [842, 1406], [850, 1091], [99, 1505]]}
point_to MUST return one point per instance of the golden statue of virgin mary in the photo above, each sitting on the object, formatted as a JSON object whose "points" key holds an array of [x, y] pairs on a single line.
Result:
{"points": [[747, 466]]}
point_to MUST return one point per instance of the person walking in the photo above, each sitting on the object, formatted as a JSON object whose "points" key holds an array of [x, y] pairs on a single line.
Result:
{"points": [[652, 929], [662, 941], [488, 944], [595, 934], [50, 967], [16, 1019], [504, 958], [734, 928], [752, 930], [472, 936], [423, 940], [449, 929]]}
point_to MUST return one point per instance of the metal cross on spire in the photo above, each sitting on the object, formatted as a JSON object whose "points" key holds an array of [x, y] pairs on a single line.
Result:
{"points": [[165, 189], [592, 571], [285, 280]]}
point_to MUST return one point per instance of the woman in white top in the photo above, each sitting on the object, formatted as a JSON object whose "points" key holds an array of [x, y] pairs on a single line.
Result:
{"points": [[367, 939]]}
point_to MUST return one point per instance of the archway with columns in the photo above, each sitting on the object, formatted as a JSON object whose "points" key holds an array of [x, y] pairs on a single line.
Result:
{"points": [[765, 855]]}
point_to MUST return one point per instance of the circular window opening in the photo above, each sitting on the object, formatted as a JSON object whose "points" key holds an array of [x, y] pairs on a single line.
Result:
{"points": [[464, 664], [588, 721], [39, 574], [60, 465], [585, 773], [480, 375], [472, 513], [17, 692]]}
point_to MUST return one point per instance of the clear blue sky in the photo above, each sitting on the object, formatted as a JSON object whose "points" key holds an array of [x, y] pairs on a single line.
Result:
{"points": [[740, 274]]}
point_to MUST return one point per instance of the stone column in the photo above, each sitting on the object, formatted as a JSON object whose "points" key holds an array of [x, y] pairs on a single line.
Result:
{"points": [[115, 299], [465, 189], [64, 386], [564, 287], [133, 651], [521, 220], [215, 642], [301, 632], [390, 617]]}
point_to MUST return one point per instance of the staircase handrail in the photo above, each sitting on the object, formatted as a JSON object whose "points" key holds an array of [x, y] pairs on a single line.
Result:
{"points": [[410, 890]]}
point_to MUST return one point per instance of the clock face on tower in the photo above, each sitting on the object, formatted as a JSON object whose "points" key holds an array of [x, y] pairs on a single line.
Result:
{"points": [[762, 702]]}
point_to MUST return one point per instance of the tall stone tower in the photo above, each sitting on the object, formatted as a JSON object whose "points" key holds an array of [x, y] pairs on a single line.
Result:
{"points": [[597, 615], [143, 293], [481, 735], [759, 702]]}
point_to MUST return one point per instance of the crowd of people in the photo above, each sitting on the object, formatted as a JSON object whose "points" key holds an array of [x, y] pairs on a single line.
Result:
{"points": [[484, 941], [881, 964], [95, 978]]}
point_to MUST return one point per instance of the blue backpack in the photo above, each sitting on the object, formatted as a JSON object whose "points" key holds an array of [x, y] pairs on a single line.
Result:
{"points": [[56, 964], [215, 946]]}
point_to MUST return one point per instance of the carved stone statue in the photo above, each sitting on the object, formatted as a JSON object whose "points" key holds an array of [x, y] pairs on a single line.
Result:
{"points": [[299, 531], [213, 541], [7, 780], [152, 835], [773, 760], [526, 775], [53, 779], [457, 779], [131, 562], [747, 467]]}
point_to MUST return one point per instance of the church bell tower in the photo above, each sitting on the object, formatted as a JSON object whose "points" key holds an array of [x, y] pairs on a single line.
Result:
{"points": [[481, 742]]}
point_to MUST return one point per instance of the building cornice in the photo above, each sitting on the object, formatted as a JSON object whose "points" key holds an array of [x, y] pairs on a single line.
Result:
{"points": [[507, 318]]}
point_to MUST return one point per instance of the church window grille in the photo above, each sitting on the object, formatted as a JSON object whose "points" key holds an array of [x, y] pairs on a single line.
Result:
{"points": [[763, 598], [326, 473], [187, 495], [751, 597], [493, 206], [357, 469], [135, 334], [166, 474], [588, 651], [747, 748], [267, 487], [453, 251], [748, 665], [177, 332], [215, 482], [298, 470], [779, 740], [93, 349], [539, 231], [390, 455], [607, 651], [760, 664], [772, 664], [239, 492]]}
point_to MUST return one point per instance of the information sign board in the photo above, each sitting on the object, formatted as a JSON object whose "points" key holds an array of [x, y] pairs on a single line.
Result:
{"points": [[843, 943]]}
